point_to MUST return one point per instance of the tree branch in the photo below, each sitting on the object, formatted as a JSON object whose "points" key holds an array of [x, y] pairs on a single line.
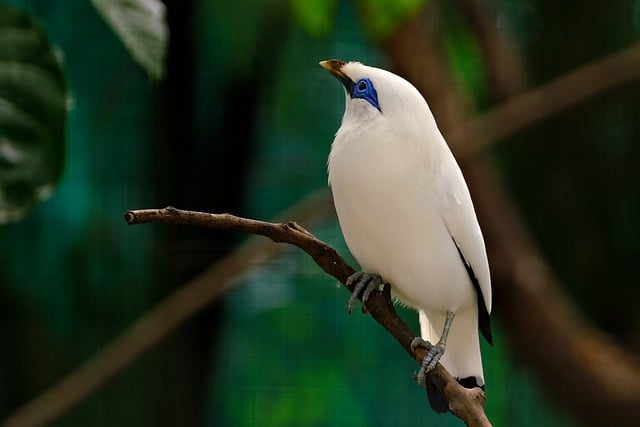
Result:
{"points": [[535, 105], [466, 404]]}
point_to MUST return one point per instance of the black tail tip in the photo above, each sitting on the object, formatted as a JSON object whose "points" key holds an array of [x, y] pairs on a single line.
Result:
{"points": [[436, 396]]}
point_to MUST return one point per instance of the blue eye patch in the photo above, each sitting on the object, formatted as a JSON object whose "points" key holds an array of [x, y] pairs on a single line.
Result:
{"points": [[363, 89]]}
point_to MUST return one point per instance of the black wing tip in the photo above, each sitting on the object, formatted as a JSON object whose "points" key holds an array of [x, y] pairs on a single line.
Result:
{"points": [[484, 322]]}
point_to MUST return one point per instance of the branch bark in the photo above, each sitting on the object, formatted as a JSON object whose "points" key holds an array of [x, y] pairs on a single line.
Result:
{"points": [[466, 404]]}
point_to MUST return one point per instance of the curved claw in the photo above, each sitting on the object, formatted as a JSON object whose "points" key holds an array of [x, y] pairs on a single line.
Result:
{"points": [[430, 360], [419, 342], [433, 357], [363, 283]]}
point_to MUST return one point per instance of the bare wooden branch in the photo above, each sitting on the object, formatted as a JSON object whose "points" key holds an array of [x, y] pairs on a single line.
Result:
{"points": [[535, 105], [290, 232], [466, 404]]}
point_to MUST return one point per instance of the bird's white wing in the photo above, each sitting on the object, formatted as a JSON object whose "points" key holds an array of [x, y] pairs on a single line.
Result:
{"points": [[456, 208]]}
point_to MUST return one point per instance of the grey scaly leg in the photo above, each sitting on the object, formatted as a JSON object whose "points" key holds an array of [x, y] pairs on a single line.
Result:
{"points": [[434, 352]]}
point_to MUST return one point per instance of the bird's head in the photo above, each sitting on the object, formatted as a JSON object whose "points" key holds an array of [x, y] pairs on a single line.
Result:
{"points": [[373, 92], [355, 79]]}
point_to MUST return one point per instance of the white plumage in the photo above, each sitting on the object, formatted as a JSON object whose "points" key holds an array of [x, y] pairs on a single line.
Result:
{"points": [[406, 213]]}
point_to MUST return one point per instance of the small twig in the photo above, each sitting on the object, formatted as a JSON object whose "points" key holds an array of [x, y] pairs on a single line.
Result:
{"points": [[292, 233], [464, 403]]}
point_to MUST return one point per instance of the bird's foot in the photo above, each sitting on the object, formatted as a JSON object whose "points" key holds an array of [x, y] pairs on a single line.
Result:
{"points": [[363, 284], [434, 353]]}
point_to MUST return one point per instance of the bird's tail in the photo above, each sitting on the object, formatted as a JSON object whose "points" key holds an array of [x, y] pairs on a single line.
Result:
{"points": [[462, 355]]}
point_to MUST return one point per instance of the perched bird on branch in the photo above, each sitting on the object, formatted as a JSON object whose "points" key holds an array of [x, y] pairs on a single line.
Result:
{"points": [[406, 215]]}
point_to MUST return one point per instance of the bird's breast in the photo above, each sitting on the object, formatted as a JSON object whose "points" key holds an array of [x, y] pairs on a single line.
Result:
{"points": [[384, 198]]}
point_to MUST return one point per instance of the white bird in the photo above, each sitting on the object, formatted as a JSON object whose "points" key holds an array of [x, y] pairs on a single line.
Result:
{"points": [[407, 217]]}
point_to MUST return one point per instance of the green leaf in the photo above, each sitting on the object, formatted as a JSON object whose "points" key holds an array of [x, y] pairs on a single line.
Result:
{"points": [[314, 16], [33, 112], [382, 17], [142, 27]]}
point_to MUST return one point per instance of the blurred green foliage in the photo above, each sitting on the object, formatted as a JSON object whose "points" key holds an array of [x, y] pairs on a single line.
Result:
{"points": [[142, 27], [33, 110], [34, 97], [315, 16], [382, 17], [72, 275]]}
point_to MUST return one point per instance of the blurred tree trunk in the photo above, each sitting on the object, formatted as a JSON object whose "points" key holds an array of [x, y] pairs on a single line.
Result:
{"points": [[202, 172]]}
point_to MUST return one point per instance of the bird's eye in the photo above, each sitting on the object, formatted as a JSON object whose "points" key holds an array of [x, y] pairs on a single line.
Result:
{"points": [[364, 89]]}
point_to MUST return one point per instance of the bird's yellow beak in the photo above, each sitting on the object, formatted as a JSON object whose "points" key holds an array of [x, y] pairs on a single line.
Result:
{"points": [[334, 66]]}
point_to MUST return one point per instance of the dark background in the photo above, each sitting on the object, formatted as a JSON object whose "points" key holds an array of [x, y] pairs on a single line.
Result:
{"points": [[243, 124]]}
